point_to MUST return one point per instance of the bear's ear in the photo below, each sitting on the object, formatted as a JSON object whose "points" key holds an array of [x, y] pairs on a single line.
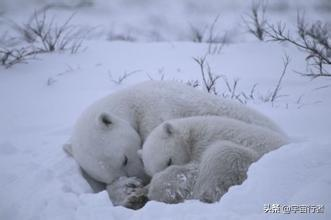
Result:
{"points": [[169, 129], [67, 147], [105, 120]]}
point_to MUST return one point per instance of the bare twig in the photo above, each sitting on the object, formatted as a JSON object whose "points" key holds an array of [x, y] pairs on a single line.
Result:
{"points": [[209, 79], [209, 35], [10, 57], [161, 76], [197, 34], [193, 83], [50, 81], [231, 92], [215, 43], [286, 61], [256, 21], [122, 77]]}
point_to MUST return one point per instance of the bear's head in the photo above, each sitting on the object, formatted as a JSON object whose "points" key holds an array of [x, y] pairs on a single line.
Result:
{"points": [[164, 146], [105, 146]]}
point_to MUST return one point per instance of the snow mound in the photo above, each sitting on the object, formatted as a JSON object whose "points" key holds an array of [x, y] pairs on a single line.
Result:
{"points": [[54, 189]]}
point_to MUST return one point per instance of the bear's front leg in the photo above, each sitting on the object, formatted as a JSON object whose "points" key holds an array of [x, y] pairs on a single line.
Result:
{"points": [[174, 184], [128, 192], [222, 165]]}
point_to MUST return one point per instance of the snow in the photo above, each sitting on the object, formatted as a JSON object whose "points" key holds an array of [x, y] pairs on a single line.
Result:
{"points": [[40, 101]]}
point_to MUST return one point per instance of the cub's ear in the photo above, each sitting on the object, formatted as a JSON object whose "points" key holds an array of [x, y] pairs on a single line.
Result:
{"points": [[169, 129], [140, 153], [67, 147], [105, 120]]}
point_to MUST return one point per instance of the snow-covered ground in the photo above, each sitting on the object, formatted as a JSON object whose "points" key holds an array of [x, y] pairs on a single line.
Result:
{"points": [[40, 101]]}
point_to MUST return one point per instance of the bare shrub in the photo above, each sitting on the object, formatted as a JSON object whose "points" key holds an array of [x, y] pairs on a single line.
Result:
{"points": [[256, 22], [231, 89], [209, 35], [209, 79], [47, 36], [313, 39], [249, 96], [231, 92], [10, 57], [40, 35], [197, 34], [215, 42]]}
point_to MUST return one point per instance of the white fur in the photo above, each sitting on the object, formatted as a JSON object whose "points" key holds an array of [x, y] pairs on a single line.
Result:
{"points": [[174, 184], [100, 148], [223, 165], [223, 148]]}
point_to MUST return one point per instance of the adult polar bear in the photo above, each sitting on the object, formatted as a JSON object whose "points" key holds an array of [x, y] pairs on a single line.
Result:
{"points": [[108, 134]]}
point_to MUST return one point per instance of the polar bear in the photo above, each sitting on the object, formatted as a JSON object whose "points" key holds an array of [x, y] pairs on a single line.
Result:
{"points": [[223, 147], [107, 134]]}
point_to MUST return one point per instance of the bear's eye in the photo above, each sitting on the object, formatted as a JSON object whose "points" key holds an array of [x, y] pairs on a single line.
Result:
{"points": [[125, 161], [169, 162]]}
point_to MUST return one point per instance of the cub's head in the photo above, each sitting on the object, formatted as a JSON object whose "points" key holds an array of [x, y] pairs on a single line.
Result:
{"points": [[164, 146], [105, 146]]}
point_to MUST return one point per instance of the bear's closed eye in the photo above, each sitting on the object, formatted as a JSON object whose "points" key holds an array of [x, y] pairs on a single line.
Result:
{"points": [[125, 161], [169, 162]]}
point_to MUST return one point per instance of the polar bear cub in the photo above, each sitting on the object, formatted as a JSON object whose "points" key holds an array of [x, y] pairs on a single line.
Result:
{"points": [[222, 147]]}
